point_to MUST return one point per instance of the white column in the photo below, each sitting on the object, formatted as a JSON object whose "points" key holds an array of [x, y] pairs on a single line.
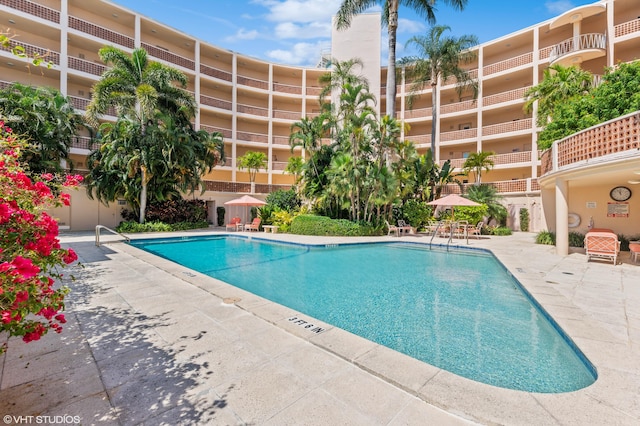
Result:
{"points": [[64, 48], [562, 217]]}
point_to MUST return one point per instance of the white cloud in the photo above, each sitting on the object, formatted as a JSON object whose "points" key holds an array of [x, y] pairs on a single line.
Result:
{"points": [[300, 10], [408, 26], [288, 30], [557, 7], [306, 54], [243, 34]]}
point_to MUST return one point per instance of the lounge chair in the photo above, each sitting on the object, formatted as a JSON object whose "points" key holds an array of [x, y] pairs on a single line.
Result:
{"points": [[634, 249], [392, 228], [254, 225], [233, 225], [602, 244], [477, 230], [404, 227]]}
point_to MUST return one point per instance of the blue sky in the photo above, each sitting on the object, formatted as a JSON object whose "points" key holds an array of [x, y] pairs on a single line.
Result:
{"points": [[295, 32]]}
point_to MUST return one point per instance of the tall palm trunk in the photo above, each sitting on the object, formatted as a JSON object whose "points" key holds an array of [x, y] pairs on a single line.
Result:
{"points": [[391, 66]]}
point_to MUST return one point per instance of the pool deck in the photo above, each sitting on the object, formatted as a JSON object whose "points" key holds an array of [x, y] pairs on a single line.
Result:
{"points": [[150, 342]]}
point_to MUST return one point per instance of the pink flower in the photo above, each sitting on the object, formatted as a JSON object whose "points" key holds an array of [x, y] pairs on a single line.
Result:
{"points": [[25, 267], [61, 318], [70, 256], [22, 296], [47, 176], [48, 312], [65, 198]]}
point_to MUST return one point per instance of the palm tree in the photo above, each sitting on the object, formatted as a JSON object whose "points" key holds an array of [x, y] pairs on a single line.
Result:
{"points": [[342, 72], [559, 84], [173, 154], [44, 117], [424, 8], [252, 161], [476, 162], [138, 88], [307, 133], [439, 58], [488, 195]]}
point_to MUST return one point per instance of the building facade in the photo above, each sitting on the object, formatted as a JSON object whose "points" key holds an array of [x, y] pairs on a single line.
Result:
{"points": [[253, 103]]}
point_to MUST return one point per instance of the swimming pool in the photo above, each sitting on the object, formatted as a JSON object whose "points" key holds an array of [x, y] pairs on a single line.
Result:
{"points": [[460, 311]]}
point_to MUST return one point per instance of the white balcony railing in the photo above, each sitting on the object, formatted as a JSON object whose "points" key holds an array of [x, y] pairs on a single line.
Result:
{"points": [[575, 44]]}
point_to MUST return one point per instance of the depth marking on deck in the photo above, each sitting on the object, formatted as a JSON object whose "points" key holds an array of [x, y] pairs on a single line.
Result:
{"points": [[306, 324]]}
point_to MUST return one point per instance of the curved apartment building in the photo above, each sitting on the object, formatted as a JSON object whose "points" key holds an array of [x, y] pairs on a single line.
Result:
{"points": [[253, 103]]}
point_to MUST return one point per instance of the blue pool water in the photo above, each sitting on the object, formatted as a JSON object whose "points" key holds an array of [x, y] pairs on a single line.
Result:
{"points": [[459, 311]]}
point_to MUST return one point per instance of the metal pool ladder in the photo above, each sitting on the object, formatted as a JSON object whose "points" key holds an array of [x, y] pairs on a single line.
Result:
{"points": [[99, 227]]}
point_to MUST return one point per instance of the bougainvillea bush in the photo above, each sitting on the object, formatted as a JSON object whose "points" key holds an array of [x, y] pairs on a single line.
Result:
{"points": [[30, 254]]}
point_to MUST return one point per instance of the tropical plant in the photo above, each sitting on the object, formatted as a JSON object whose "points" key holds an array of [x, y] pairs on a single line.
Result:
{"points": [[440, 57], [476, 162], [46, 119], [524, 219], [253, 161], [138, 89], [559, 84], [173, 156], [546, 238], [295, 166], [616, 95], [307, 133], [30, 253], [489, 196], [342, 73], [425, 8], [284, 199]]}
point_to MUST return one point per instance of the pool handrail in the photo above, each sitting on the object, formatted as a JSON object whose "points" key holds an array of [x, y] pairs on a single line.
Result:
{"points": [[99, 227]]}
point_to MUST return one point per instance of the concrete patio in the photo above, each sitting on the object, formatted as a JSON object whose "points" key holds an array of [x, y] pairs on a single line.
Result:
{"points": [[151, 342]]}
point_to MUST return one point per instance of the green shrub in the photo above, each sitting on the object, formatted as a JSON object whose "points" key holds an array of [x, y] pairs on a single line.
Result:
{"points": [[546, 238], [417, 213], [284, 200], [282, 219], [500, 231], [155, 226], [472, 214], [576, 239], [322, 225], [524, 219], [221, 212], [171, 211]]}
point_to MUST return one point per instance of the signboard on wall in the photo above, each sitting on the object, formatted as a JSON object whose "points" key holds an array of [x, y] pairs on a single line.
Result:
{"points": [[617, 209]]}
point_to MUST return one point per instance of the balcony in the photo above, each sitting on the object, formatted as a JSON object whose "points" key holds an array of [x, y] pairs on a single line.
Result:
{"points": [[248, 109], [579, 49], [281, 140], [619, 138], [100, 32], [226, 133], [86, 66], [503, 187], [627, 28], [286, 115], [216, 73], [508, 64], [252, 82], [458, 135], [34, 9], [512, 158], [33, 51], [287, 88], [458, 107], [216, 102], [416, 113], [252, 137], [167, 56], [81, 142], [507, 127], [510, 96]]}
